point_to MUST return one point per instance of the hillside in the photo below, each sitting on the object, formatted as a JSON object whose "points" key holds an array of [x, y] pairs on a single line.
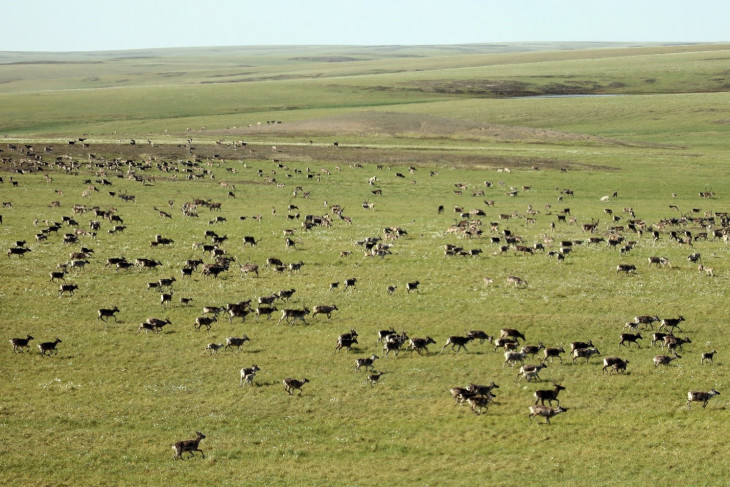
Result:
{"points": [[156, 204]]}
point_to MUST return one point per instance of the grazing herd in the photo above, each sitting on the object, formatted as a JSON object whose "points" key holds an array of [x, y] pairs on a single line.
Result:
{"points": [[511, 341]]}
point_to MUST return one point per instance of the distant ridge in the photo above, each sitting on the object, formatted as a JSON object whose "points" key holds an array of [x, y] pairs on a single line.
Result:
{"points": [[319, 52]]}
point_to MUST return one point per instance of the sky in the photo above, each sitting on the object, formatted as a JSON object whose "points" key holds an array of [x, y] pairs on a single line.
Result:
{"points": [[101, 25]]}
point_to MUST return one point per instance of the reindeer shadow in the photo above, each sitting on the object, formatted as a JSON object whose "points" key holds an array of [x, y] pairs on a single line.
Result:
{"points": [[251, 351]]}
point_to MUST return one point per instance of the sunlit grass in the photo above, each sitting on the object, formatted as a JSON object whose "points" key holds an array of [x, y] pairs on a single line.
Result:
{"points": [[107, 408], [117, 399]]}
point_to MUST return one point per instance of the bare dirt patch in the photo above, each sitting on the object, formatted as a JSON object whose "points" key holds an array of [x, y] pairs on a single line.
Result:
{"points": [[16, 157], [418, 126]]}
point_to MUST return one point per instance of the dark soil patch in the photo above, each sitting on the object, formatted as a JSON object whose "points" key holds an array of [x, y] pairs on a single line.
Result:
{"points": [[512, 88], [49, 157]]}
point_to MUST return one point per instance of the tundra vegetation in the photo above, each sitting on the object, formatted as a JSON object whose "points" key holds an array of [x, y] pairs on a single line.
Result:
{"points": [[185, 147]]}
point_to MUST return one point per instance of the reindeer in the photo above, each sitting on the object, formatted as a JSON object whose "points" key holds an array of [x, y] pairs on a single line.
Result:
{"points": [[709, 271], [214, 347], [532, 349], [506, 343], [374, 378], [365, 362], [67, 288], [58, 275], [477, 403], [104, 314], [236, 342], [153, 324], [412, 286], [552, 353], [457, 341], [294, 384], [665, 359], [384, 334], [585, 353], [327, 310], [545, 411], [511, 332], [212, 310], [461, 394], [205, 321], [646, 320], [291, 315], [20, 343], [708, 356], [346, 341], [511, 357], [248, 375], [265, 310], [48, 348], [246, 268], [630, 338], [393, 343], [671, 323], [165, 298], [516, 281], [238, 310], [617, 364], [672, 342], [549, 395], [660, 261], [576, 345], [249, 240], [530, 372], [419, 344], [188, 446], [693, 396]]}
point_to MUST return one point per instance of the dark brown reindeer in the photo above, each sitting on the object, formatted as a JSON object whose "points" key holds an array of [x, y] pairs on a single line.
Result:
{"points": [[346, 341], [551, 353], [48, 348], [549, 395], [705, 356], [673, 342], [698, 396], [294, 384], [236, 342], [672, 323], [419, 344], [20, 343], [629, 338], [67, 288], [191, 446], [615, 363], [511, 333], [322, 309], [457, 343], [292, 315], [104, 314]]}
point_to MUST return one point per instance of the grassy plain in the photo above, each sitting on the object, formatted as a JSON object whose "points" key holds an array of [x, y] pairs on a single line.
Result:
{"points": [[107, 407]]}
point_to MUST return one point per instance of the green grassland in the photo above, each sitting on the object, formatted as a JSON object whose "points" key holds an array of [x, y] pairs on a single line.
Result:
{"points": [[106, 409]]}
